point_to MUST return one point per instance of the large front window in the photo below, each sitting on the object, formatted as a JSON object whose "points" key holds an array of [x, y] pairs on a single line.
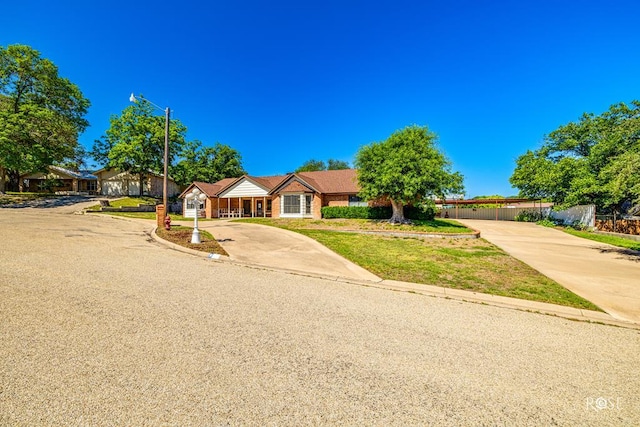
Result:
{"points": [[298, 205], [291, 204]]}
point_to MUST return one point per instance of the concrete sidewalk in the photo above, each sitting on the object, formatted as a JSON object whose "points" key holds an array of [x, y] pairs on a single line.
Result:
{"points": [[606, 275]]}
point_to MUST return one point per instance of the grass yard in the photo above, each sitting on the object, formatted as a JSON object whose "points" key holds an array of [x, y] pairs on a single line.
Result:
{"points": [[147, 215], [126, 201], [603, 238], [182, 236], [135, 201], [433, 226], [459, 263]]}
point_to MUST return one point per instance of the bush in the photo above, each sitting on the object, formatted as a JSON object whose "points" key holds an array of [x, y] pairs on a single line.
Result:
{"points": [[359, 212], [529, 216], [425, 211], [546, 222]]}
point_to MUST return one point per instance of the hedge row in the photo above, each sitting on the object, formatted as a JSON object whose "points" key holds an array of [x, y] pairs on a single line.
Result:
{"points": [[378, 212], [361, 212]]}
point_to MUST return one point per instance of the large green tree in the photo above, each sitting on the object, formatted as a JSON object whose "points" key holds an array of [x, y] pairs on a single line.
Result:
{"points": [[407, 168], [591, 161], [207, 164], [134, 141], [41, 113], [320, 165]]}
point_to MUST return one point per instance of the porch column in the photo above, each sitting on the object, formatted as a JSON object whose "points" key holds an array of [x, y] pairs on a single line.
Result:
{"points": [[218, 203], [228, 206], [264, 207], [253, 206], [240, 213]]}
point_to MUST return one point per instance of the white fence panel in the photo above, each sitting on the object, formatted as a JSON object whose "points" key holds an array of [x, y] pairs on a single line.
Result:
{"points": [[584, 214], [500, 214]]}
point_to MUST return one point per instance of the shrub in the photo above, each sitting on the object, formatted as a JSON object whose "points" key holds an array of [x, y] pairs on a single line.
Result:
{"points": [[421, 212], [529, 216], [360, 212], [546, 222], [425, 210]]}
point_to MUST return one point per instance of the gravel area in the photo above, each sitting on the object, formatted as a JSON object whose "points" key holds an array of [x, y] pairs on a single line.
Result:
{"points": [[102, 326]]}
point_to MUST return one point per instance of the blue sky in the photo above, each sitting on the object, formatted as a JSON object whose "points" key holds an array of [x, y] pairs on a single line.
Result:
{"points": [[286, 81]]}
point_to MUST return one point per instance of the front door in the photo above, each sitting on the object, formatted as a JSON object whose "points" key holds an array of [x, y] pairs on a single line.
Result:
{"points": [[246, 207]]}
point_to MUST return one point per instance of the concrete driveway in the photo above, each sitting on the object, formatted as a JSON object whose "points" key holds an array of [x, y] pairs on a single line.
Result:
{"points": [[277, 248], [606, 275]]}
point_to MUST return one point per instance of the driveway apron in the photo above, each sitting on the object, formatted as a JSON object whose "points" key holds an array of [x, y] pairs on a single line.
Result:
{"points": [[274, 247], [606, 275]]}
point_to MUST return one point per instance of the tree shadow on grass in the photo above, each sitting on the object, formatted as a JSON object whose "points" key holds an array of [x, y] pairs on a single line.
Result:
{"points": [[628, 254]]}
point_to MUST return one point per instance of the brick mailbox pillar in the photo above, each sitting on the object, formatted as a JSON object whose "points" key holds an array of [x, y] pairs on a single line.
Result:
{"points": [[160, 214]]}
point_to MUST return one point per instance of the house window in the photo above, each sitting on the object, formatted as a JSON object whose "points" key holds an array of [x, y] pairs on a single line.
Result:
{"points": [[308, 198], [92, 185], [291, 204], [357, 201]]}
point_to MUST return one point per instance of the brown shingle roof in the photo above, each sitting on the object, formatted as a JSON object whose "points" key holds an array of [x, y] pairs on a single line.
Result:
{"points": [[213, 189], [343, 181], [268, 182], [332, 181]]}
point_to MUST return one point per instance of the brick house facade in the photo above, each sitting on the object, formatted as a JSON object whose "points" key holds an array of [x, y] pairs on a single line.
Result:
{"points": [[297, 195]]}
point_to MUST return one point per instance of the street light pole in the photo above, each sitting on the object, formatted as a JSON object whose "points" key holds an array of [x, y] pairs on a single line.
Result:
{"points": [[197, 196], [165, 180]]}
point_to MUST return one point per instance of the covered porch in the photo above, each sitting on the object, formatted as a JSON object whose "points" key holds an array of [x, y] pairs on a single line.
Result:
{"points": [[242, 207]]}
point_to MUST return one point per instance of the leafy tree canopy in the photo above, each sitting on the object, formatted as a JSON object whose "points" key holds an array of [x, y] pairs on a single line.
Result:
{"points": [[407, 168], [319, 165], [134, 141], [207, 164], [591, 161], [333, 164], [495, 196], [41, 113]]}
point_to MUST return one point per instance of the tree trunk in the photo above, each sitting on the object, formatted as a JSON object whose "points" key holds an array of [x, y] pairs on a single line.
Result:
{"points": [[398, 213], [3, 173], [14, 179], [141, 189]]}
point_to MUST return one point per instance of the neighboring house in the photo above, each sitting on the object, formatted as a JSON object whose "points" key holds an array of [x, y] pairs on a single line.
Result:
{"points": [[59, 180], [296, 195], [112, 182]]}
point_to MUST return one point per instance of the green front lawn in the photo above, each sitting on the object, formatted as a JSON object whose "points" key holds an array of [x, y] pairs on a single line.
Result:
{"points": [[603, 238], [459, 263], [433, 226], [127, 201]]}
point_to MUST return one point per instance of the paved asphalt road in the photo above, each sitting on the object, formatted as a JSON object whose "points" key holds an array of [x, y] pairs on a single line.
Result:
{"points": [[606, 275], [101, 326]]}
